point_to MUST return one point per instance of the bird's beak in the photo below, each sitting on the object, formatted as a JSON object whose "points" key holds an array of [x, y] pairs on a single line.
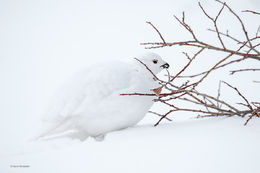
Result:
{"points": [[166, 65]]}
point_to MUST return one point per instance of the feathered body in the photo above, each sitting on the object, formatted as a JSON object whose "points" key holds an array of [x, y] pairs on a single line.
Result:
{"points": [[90, 103]]}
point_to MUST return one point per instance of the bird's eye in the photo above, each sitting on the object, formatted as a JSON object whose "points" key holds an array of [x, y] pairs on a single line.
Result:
{"points": [[155, 61]]}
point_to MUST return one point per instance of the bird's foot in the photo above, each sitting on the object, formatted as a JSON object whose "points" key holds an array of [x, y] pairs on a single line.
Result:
{"points": [[100, 137]]}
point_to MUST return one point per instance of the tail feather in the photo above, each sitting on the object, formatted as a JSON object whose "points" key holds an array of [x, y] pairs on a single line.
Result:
{"points": [[65, 128], [61, 127]]}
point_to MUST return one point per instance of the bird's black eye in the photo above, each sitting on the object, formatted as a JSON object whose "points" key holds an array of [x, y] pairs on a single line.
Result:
{"points": [[155, 61]]}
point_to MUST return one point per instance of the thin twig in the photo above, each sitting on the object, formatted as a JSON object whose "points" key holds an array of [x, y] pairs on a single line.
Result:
{"points": [[239, 19], [240, 94], [188, 64], [250, 11], [164, 116], [243, 70], [155, 77], [160, 115], [157, 32], [215, 22], [254, 113], [236, 40], [188, 91]]}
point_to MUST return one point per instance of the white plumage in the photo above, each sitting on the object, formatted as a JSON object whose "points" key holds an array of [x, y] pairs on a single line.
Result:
{"points": [[90, 103]]}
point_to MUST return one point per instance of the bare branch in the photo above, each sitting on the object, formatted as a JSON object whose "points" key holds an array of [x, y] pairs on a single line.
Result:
{"points": [[164, 116], [187, 91], [160, 115], [220, 66], [215, 22], [254, 113], [240, 94], [250, 11], [242, 70], [236, 40], [155, 77], [188, 64], [187, 27], [157, 32], [239, 19]]}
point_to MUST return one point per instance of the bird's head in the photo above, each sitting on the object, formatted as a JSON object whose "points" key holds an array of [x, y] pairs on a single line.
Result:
{"points": [[153, 61]]}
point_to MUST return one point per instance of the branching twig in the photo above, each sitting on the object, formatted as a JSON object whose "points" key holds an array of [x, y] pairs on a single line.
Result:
{"points": [[254, 113], [239, 19], [157, 32], [160, 115], [215, 22], [164, 116], [236, 40], [188, 64], [203, 103], [240, 94], [201, 44]]}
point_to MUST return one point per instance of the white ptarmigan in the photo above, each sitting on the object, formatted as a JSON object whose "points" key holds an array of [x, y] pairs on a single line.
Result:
{"points": [[90, 103]]}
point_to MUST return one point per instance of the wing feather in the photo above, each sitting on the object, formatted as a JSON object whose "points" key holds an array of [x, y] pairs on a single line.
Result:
{"points": [[89, 87]]}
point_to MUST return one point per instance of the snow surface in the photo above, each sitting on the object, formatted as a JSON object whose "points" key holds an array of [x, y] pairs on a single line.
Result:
{"points": [[44, 42], [204, 145]]}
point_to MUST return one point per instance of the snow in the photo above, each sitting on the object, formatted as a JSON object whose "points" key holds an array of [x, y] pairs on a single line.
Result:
{"points": [[194, 145], [42, 43]]}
